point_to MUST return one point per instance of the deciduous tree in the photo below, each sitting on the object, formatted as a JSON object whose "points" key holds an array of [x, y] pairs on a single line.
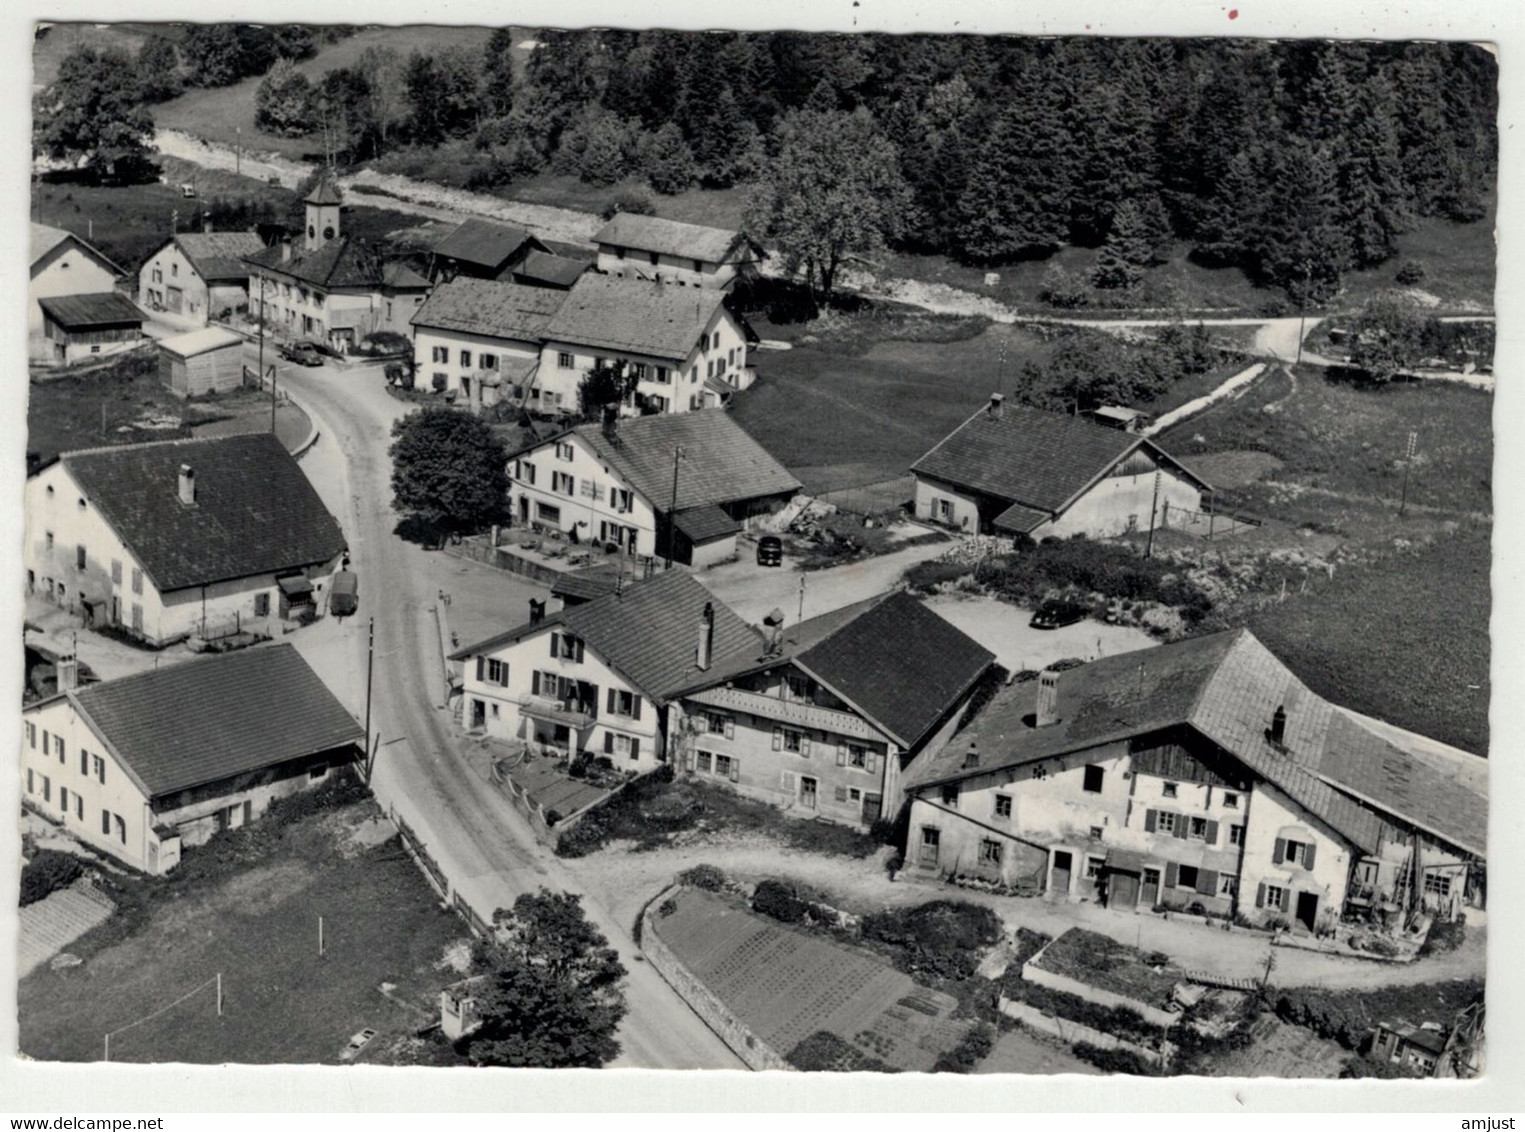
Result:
{"points": [[1386, 337], [159, 69], [610, 383], [283, 101], [447, 468], [93, 113]]}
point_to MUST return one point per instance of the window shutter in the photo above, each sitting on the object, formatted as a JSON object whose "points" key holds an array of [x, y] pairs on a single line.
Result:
{"points": [[1207, 882], [84, 761], [535, 684], [481, 667], [635, 748], [730, 728], [1149, 821], [1172, 872], [503, 680], [873, 763], [1260, 895], [635, 707], [578, 657], [841, 754], [804, 747], [610, 707], [1281, 851], [735, 770], [840, 793], [608, 742], [1212, 833], [1308, 856], [1182, 825], [688, 761], [778, 738]]}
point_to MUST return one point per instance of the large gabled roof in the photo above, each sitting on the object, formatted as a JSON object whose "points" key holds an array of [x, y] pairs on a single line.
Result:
{"points": [[338, 263], [86, 312], [489, 307], [255, 511], [648, 632], [627, 316], [219, 255], [203, 721], [1226, 687], [674, 238], [896, 662], [44, 238], [721, 462], [483, 243], [551, 270], [1027, 456]]}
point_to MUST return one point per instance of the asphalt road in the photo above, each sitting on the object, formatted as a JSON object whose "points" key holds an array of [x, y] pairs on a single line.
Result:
{"points": [[478, 838]]}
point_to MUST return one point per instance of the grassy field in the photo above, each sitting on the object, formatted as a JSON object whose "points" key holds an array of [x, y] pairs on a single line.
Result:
{"points": [[49, 49], [248, 907], [1405, 640]]}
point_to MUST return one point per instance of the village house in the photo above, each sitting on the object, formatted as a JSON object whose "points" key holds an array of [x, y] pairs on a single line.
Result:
{"points": [[209, 360], [825, 718], [595, 677], [680, 342], [148, 765], [480, 249], [63, 264], [1013, 470], [682, 486], [180, 537], [331, 290], [481, 339], [79, 328], [198, 276], [649, 248], [1201, 775]]}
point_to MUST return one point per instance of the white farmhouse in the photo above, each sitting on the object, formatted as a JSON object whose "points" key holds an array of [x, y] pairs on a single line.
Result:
{"points": [[63, 264], [481, 338], [631, 246]]}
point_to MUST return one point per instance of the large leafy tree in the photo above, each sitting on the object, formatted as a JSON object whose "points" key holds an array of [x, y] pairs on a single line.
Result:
{"points": [[834, 190], [447, 469], [442, 94], [552, 999], [93, 114], [609, 384], [159, 69], [283, 101], [498, 73], [1387, 337]]}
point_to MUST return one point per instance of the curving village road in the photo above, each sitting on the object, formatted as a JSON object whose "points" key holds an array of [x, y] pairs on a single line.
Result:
{"points": [[480, 841]]}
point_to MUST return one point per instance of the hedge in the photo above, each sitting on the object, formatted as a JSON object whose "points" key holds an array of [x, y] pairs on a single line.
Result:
{"points": [[1091, 567], [943, 937], [46, 873], [1115, 1060], [1118, 1021], [824, 1052], [972, 1049], [1350, 1016]]}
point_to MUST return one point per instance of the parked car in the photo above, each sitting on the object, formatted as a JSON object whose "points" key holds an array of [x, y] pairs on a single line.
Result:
{"points": [[303, 353], [770, 551], [1053, 614], [344, 594]]}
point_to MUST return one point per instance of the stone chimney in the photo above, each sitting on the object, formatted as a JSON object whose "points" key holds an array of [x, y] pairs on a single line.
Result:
{"points": [[996, 401], [1048, 698], [706, 636], [187, 485], [972, 756], [537, 611], [1277, 732], [773, 627], [67, 670], [285, 249]]}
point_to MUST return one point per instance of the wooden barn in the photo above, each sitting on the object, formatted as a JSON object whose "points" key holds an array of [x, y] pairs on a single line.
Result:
{"points": [[79, 328], [201, 362]]}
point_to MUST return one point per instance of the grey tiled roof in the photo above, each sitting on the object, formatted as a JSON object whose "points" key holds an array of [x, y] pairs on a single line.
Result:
{"points": [[255, 511], [557, 270], [701, 524], [220, 255], [483, 243], [490, 307], [202, 721], [634, 317], [45, 238], [81, 312], [671, 237]]}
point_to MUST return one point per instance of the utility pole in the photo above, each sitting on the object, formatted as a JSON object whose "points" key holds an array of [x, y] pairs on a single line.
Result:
{"points": [[370, 664], [238, 150], [1302, 309], [1408, 460], [261, 369], [1153, 507], [272, 399], [672, 529]]}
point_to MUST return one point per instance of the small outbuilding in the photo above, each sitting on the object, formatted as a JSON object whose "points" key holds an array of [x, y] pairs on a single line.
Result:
{"points": [[81, 327], [201, 362]]}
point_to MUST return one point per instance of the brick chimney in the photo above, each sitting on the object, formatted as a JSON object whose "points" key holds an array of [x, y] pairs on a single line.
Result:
{"points": [[537, 611], [1277, 732], [187, 485], [972, 756], [706, 636], [67, 671], [996, 402], [1048, 698]]}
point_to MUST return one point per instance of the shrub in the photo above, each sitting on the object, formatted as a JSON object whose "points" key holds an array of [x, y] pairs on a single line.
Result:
{"points": [[1028, 944], [637, 201], [46, 873], [1115, 1060], [438, 382], [925, 575], [972, 1049], [1079, 564], [667, 908], [1119, 1021], [1063, 289], [1349, 1016], [1411, 272], [944, 937], [1445, 936], [824, 1052], [708, 877], [777, 900]]}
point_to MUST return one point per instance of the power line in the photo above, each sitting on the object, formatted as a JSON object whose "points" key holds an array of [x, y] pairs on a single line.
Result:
{"points": [[215, 979]]}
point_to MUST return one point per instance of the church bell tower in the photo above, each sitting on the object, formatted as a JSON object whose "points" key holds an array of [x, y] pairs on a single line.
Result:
{"points": [[323, 205]]}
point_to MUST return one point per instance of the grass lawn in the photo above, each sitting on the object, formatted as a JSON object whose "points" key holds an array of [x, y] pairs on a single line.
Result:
{"points": [[217, 114], [50, 48], [248, 907], [715, 208], [1405, 640]]}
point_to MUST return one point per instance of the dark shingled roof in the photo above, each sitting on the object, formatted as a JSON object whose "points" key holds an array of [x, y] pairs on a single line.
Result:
{"points": [[634, 316], [220, 255], [702, 524], [721, 462], [324, 192], [556, 270], [203, 721], [1227, 686], [899, 664], [1028, 456], [338, 263], [671, 237], [489, 307], [255, 511], [483, 243], [649, 632], [84, 312], [585, 584]]}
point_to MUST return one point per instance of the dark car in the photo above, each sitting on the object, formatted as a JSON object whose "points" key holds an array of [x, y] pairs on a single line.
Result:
{"points": [[303, 353], [1054, 614], [770, 551], [344, 595]]}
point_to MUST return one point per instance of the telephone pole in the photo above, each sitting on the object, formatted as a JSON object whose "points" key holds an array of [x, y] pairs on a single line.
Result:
{"points": [[1408, 460], [370, 663], [672, 528], [1153, 507]]}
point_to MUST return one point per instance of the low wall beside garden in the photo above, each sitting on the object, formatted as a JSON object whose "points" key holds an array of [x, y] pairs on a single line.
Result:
{"points": [[1068, 1031]]}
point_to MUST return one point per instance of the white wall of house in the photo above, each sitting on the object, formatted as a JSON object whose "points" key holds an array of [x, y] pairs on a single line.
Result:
{"points": [[242, 801], [494, 700], [170, 282], [939, 503], [580, 493], [337, 318], [438, 352], [1273, 817], [84, 782], [1116, 505], [630, 263], [65, 270]]}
